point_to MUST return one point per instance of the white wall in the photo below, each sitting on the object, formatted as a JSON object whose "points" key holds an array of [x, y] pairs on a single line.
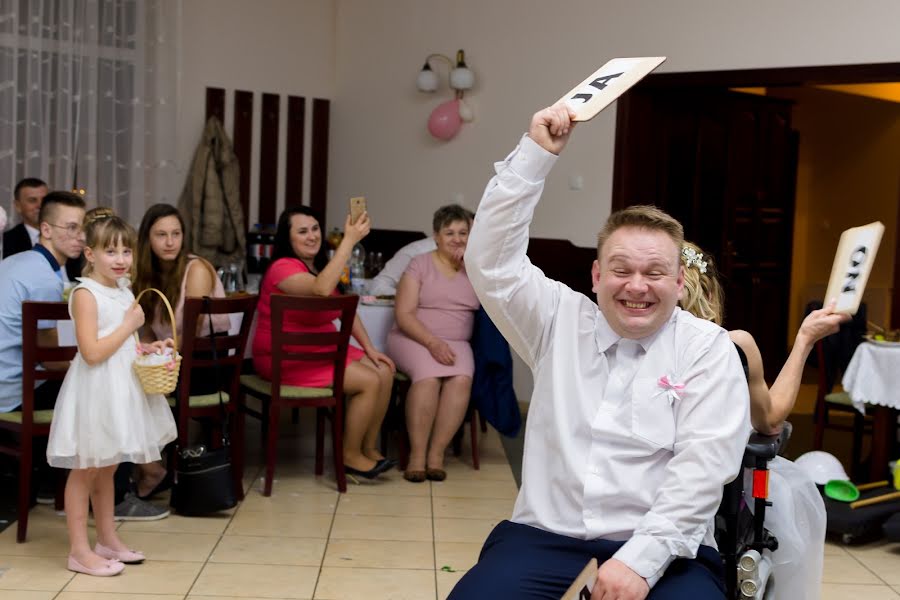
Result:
{"points": [[273, 46], [527, 53]]}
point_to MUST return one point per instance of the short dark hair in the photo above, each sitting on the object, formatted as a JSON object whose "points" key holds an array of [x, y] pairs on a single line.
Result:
{"points": [[450, 214], [58, 198], [28, 182]]}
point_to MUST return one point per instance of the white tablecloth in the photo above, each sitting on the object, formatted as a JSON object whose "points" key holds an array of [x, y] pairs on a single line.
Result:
{"points": [[378, 320], [873, 375]]}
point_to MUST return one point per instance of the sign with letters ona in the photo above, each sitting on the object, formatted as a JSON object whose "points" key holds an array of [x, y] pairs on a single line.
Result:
{"points": [[583, 585], [852, 265], [608, 83]]}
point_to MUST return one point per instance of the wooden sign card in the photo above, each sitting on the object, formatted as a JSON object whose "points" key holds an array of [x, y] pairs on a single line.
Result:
{"points": [[583, 585], [608, 83], [852, 265]]}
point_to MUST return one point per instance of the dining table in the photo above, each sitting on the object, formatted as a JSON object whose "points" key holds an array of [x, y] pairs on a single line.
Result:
{"points": [[872, 379]]}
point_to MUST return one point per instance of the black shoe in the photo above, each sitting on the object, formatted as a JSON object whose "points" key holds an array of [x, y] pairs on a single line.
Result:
{"points": [[378, 469], [388, 463]]}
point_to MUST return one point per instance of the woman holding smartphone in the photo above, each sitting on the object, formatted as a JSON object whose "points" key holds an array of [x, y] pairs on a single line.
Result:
{"points": [[300, 267]]}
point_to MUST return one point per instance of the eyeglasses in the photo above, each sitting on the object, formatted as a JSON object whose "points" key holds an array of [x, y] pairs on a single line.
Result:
{"points": [[72, 229]]}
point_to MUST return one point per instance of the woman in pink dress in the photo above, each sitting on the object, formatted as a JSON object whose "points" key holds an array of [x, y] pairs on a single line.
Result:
{"points": [[300, 268], [435, 310]]}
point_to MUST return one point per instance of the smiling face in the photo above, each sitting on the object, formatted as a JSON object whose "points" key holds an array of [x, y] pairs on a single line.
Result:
{"points": [[306, 237], [110, 263], [638, 280], [452, 238], [166, 238]]}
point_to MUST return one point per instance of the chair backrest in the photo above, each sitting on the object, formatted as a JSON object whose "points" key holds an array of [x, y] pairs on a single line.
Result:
{"points": [[34, 354], [196, 346], [317, 347]]}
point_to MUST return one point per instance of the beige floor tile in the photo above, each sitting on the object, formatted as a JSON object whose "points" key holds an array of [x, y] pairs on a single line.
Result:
{"points": [[36, 573], [833, 549], [348, 527], [310, 525], [844, 591], [151, 577], [183, 547], [43, 514], [490, 471], [457, 488], [459, 556], [463, 530], [212, 524], [304, 485], [391, 484], [105, 596], [42, 540], [882, 559], [846, 569], [256, 581], [305, 552], [473, 508], [380, 554], [290, 502], [375, 584], [384, 505], [446, 582], [28, 595]]}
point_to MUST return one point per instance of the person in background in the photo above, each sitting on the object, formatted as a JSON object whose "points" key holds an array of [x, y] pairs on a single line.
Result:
{"points": [[434, 312], [300, 268], [640, 411], [164, 263], [797, 514], [385, 283]]}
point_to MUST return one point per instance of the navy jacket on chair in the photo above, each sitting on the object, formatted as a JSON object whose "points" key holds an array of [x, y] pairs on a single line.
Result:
{"points": [[492, 387]]}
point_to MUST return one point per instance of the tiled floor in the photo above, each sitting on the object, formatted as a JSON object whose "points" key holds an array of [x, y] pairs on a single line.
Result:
{"points": [[390, 539]]}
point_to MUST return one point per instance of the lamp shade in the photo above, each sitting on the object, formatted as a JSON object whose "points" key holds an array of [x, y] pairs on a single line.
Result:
{"points": [[462, 78], [427, 81]]}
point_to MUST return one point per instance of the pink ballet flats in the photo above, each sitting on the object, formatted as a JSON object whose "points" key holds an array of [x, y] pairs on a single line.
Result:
{"points": [[112, 567], [129, 557]]}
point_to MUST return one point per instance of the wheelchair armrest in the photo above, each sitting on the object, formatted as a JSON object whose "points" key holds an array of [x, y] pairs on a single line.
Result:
{"points": [[766, 447]]}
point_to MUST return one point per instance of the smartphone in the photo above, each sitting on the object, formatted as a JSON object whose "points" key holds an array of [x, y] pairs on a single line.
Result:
{"points": [[357, 208]]}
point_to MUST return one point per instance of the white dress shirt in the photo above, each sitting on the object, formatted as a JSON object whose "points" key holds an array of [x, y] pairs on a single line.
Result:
{"points": [[610, 451], [385, 283]]}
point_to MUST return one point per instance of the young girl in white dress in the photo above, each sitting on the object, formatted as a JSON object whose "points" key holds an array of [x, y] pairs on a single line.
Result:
{"points": [[102, 416]]}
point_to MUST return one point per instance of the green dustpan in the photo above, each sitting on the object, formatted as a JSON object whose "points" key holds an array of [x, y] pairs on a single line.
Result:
{"points": [[841, 490]]}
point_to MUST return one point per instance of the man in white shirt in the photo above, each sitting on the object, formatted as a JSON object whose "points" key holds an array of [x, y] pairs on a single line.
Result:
{"points": [[385, 283], [640, 411]]}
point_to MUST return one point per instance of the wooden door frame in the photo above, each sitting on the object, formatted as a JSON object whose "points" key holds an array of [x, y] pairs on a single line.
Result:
{"points": [[774, 77]]}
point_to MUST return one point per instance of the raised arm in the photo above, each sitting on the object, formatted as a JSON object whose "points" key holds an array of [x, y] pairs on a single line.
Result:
{"points": [[520, 300], [323, 284], [95, 350], [770, 408]]}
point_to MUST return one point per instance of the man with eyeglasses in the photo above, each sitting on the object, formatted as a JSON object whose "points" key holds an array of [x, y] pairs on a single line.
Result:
{"points": [[28, 195]]}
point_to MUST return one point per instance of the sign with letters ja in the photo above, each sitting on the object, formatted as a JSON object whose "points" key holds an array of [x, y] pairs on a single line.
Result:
{"points": [[608, 83], [852, 265]]}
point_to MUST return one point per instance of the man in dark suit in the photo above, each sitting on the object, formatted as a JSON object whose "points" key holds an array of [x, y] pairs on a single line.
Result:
{"points": [[28, 195]]}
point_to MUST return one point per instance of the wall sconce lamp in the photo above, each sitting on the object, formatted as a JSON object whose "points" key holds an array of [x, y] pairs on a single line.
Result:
{"points": [[446, 120]]}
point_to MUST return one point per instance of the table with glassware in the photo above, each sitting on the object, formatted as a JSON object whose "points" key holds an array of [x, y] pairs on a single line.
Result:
{"points": [[872, 379]]}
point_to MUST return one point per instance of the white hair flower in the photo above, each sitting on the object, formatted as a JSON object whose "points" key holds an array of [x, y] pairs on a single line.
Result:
{"points": [[692, 258]]}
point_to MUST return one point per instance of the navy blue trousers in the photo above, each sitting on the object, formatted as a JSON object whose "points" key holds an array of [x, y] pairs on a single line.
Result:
{"points": [[522, 562]]}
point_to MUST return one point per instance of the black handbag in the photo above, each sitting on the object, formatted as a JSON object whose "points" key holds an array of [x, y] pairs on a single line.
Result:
{"points": [[203, 480]]}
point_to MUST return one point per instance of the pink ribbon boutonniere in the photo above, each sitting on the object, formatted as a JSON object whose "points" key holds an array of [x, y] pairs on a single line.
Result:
{"points": [[671, 388]]}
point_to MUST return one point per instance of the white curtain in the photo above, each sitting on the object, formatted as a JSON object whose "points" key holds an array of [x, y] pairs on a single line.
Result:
{"points": [[87, 99]]}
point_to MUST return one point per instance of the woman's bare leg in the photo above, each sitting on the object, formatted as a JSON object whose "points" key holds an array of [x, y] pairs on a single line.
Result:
{"points": [[421, 408], [361, 384], [451, 411], [385, 386]]}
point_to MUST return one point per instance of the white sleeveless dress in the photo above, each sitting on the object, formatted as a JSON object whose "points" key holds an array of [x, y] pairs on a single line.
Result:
{"points": [[102, 415]]}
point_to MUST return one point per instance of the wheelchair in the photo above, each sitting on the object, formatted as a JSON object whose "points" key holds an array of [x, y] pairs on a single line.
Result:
{"points": [[745, 545]]}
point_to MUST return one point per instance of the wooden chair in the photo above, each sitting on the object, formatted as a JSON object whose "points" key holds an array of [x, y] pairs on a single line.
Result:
{"points": [[287, 353], [829, 402], [196, 349], [27, 424]]}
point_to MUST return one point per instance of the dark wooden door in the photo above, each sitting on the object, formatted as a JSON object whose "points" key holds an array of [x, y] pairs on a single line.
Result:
{"points": [[724, 164]]}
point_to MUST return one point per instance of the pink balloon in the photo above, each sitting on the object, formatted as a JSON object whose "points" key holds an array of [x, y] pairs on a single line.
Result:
{"points": [[444, 121]]}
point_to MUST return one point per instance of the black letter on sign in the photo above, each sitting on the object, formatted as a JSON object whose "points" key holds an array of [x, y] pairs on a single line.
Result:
{"points": [[857, 258], [585, 594], [601, 82]]}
